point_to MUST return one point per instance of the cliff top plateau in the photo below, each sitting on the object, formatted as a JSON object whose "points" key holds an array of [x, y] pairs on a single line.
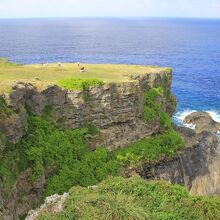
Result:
{"points": [[43, 74]]}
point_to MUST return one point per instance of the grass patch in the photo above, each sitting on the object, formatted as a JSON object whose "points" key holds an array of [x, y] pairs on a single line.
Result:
{"points": [[135, 199], [52, 73], [79, 84], [168, 70]]}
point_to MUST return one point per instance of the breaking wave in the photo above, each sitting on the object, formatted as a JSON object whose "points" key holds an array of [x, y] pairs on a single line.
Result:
{"points": [[180, 116]]}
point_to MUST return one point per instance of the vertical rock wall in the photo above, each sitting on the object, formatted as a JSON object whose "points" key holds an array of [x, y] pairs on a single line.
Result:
{"points": [[115, 109]]}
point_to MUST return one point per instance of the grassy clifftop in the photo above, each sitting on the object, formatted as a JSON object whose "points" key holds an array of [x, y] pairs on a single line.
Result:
{"points": [[52, 73]]}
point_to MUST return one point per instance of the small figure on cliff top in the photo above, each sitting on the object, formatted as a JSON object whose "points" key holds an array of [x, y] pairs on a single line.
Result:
{"points": [[81, 68], [60, 64]]}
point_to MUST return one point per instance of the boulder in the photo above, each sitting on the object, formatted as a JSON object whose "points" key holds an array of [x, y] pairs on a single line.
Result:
{"points": [[203, 122]]}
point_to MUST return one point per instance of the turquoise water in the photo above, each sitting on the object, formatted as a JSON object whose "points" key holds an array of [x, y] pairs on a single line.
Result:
{"points": [[190, 46]]}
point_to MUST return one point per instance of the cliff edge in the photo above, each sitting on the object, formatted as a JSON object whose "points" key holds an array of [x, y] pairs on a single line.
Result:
{"points": [[116, 109]]}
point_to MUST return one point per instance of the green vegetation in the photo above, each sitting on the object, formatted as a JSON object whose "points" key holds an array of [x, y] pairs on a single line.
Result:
{"points": [[135, 199], [79, 84], [153, 109], [150, 149], [52, 73], [47, 113], [4, 110], [12, 162], [46, 146], [168, 70]]}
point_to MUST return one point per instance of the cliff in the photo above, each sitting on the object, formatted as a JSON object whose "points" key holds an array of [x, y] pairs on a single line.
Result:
{"points": [[53, 138], [116, 109], [196, 166]]}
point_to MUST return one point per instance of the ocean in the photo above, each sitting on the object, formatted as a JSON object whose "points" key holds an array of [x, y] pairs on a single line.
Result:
{"points": [[190, 46]]}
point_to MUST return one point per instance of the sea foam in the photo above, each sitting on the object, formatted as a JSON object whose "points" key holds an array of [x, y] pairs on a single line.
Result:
{"points": [[215, 115], [180, 116]]}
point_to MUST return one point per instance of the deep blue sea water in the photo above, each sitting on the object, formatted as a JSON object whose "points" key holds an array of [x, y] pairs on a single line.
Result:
{"points": [[190, 46]]}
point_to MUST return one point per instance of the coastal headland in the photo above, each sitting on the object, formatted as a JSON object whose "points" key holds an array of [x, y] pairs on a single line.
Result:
{"points": [[76, 125]]}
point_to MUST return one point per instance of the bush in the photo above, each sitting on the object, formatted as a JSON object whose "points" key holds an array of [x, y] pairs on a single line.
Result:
{"points": [[135, 199], [65, 151], [165, 121], [152, 107], [150, 149], [12, 161], [79, 84], [128, 160], [47, 146]]}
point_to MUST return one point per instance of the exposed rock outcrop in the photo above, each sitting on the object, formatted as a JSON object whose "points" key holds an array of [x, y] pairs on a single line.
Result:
{"points": [[202, 121], [52, 204], [24, 195], [193, 167]]}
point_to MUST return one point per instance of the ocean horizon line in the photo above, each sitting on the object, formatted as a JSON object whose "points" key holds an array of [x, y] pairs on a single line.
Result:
{"points": [[111, 17]]}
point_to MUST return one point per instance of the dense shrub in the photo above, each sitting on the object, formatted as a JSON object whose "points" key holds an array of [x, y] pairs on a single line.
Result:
{"points": [[150, 149], [153, 109], [65, 151], [79, 84], [135, 199], [47, 146]]}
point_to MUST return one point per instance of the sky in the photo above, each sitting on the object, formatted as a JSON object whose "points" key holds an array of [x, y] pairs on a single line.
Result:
{"points": [[109, 8]]}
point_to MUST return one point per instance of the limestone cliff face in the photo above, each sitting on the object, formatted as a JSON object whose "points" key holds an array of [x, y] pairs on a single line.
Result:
{"points": [[196, 166], [115, 109]]}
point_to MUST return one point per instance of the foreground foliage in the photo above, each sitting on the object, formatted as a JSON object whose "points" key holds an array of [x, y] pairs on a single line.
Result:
{"points": [[135, 199]]}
